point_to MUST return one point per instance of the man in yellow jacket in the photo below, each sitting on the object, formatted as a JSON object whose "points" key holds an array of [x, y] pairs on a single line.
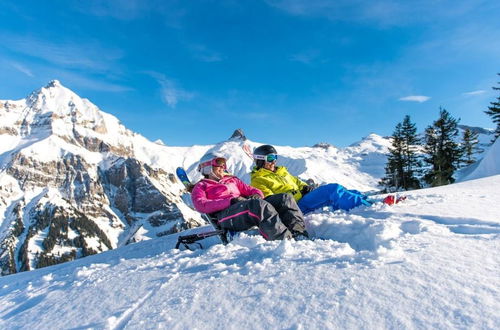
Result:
{"points": [[272, 179]]}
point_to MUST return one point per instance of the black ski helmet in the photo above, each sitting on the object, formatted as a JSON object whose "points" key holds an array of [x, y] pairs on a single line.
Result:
{"points": [[263, 150]]}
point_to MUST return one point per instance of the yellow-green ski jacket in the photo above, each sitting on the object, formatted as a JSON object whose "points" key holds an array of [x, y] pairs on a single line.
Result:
{"points": [[278, 182]]}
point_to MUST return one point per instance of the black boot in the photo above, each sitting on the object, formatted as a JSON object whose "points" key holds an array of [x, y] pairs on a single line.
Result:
{"points": [[300, 235]]}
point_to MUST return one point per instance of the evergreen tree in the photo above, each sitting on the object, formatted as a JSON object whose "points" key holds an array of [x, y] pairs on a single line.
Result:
{"points": [[402, 161], [394, 166], [494, 112], [410, 158], [442, 152], [469, 146]]}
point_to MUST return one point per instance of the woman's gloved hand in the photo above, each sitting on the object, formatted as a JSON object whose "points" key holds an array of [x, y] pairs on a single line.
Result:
{"points": [[237, 199], [255, 196]]}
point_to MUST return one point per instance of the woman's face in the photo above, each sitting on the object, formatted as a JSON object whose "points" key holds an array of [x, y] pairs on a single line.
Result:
{"points": [[219, 171]]}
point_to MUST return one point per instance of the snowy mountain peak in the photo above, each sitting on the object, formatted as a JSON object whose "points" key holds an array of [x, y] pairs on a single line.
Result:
{"points": [[56, 111], [238, 134], [478, 130], [372, 143], [323, 145], [58, 99], [54, 83]]}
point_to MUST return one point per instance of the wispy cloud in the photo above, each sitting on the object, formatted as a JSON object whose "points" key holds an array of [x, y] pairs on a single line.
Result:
{"points": [[415, 98], [88, 56], [171, 93], [89, 83], [382, 12], [204, 54], [467, 41], [255, 115], [127, 10], [21, 68], [85, 80], [478, 92], [306, 57], [119, 9], [386, 11]]}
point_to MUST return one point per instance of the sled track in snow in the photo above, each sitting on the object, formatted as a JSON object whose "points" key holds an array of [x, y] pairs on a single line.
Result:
{"points": [[121, 321], [466, 226]]}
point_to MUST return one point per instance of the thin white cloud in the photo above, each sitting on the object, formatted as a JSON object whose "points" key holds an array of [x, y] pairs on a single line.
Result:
{"points": [[204, 54], [119, 9], [91, 83], [382, 12], [88, 56], [171, 94], [172, 12], [415, 98], [21, 68], [306, 57], [85, 80], [255, 115], [478, 92]]}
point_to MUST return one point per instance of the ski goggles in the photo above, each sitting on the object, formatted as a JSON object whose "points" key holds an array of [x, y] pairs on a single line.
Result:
{"points": [[216, 162], [268, 158]]}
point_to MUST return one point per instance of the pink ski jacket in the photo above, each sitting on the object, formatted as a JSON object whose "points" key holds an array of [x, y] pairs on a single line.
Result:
{"points": [[211, 196]]}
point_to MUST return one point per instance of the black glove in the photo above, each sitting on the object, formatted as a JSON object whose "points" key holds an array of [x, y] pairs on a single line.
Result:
{"points": [[255, 196], [237, 200], [306, 190]]}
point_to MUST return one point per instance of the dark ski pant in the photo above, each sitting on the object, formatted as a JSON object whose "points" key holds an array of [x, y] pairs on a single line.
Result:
{"points": [[334, 195], [254, 212], [288, 211]]}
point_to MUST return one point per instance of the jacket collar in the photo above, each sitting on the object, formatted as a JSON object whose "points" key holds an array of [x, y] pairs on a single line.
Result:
{"points": [[225, 178], [265, 171]]}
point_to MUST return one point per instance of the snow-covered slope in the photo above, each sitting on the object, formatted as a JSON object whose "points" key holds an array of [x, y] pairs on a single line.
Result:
{"points": [[489, 165], [431, 262]]}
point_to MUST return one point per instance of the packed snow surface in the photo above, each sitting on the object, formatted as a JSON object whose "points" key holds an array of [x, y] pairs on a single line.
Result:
{"points": [[429, 262]]}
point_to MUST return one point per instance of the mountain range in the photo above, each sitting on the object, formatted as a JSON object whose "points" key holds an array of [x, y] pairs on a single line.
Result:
{"points": [[74, 181]]}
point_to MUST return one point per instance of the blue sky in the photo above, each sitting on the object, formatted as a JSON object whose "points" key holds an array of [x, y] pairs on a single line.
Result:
{"points": [[289, 72]]}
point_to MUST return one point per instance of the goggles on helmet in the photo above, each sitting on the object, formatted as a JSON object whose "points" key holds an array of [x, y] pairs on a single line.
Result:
{"points": [[215, 162], [268, 158]]}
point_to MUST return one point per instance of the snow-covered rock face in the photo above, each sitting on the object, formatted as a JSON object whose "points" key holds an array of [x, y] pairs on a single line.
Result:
{"points": [[55, 111], [74, 182]]}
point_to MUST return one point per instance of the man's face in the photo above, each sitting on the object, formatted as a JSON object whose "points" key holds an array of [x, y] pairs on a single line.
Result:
{"points": [[271, 166]]}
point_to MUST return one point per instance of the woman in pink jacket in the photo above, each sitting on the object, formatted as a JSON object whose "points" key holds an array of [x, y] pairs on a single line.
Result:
{"points": [[238, 206]]}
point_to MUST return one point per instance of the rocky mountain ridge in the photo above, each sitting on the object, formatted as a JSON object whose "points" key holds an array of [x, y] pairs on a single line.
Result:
{"points": [[74, 182]]}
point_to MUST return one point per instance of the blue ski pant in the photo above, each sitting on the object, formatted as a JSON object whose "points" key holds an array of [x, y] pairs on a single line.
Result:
{"points": [[334, 195]]}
